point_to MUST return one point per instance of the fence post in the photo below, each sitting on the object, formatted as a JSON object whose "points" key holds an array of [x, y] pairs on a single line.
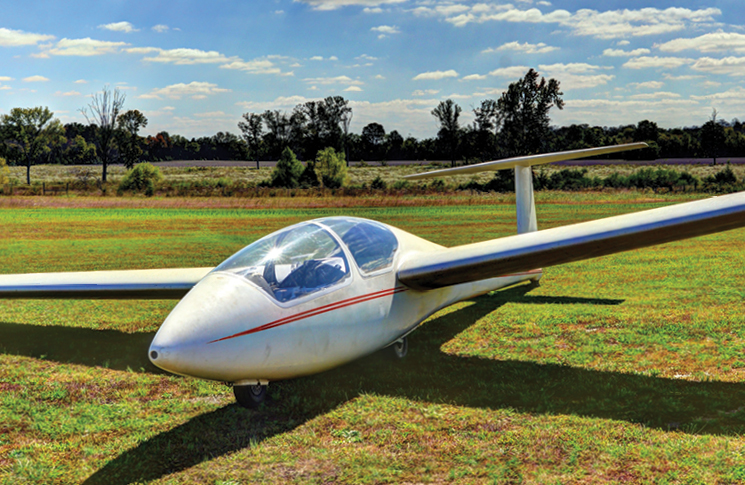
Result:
{"points": [[43, 188]]}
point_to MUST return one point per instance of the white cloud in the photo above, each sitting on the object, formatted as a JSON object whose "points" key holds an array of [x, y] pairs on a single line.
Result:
{"points": [[510, 72], [712, 42], [68, 93], [525, 48], [435, 75], [86, 47], [623, 42], [160, 28], [474, 77], [321, 58], [645, 62], [211, 114], [670, 112], [256, 66], [635, 23], [125, 27], [17, 38], [657, 95], [578, 75], [372, 10], [182, 56], [81, 81], [611, 24], [648, 85], [385, 30], [734, 95], [5, 78], [195, 90], [280, 103], [334, 4], [353, 89], [333, 80], [734, 66], [279, 12], [623, 53], [425, 92], [35, 79]]}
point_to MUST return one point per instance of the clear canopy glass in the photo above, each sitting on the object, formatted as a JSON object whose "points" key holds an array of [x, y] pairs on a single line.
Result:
{"points": [[306, 258]]}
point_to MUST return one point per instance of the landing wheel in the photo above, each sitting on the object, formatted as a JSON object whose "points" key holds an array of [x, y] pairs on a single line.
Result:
{"points": [[250, 396], [400, 348]]}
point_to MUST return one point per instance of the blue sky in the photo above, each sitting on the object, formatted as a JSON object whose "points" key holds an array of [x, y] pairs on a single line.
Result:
{"points": [[194, 67]]}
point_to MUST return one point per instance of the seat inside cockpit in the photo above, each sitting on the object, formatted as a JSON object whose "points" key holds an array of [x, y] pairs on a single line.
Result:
{"points": [[307, 258]]}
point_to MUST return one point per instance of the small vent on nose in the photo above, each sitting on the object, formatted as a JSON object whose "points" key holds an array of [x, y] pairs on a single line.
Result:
{"points": [[153, 355]]}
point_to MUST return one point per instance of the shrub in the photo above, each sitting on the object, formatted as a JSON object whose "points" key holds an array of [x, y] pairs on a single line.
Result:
{"points": [[288, 170], [571, 179], [437, 185], [142, 177], [402, 185], [309, 177], [332, 168], [378, 184]]}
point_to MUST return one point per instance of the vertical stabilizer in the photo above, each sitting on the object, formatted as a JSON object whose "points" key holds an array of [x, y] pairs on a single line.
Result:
{"points": [[524, 200]]}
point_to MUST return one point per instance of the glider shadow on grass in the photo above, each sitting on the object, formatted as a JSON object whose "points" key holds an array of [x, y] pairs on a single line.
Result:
{"points": [[72, 345], [428, 374]]}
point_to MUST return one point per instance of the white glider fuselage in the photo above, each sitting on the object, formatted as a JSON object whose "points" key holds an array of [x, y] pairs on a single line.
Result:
{"points": [[229, 329]]}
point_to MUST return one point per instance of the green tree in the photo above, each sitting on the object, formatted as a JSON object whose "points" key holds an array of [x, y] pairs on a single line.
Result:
{"points": [[78, 151], [288, 170], [712, 137], [332, 168], [103, 111], [523, 113], [253, 130], [447, 113], [29, 133], [278, 132], [130, 123], [373, 139]]}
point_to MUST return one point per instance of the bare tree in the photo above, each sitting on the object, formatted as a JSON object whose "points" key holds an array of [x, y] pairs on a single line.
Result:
{"points": [[346, 120], [103, 112]]}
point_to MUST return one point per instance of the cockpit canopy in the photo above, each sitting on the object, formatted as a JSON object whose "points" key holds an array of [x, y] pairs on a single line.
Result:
{"points": [[308, 257]]}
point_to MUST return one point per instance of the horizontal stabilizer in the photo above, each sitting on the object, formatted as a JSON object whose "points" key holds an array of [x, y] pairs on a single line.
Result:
{"points": [[576, 242], [527, 161], [140, 284]]}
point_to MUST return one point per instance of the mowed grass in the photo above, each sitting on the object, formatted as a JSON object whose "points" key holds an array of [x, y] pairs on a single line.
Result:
{"points": [[627, 368]]}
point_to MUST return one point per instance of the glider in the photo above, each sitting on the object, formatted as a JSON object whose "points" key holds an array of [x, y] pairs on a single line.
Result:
{"points": [[324, 292]]}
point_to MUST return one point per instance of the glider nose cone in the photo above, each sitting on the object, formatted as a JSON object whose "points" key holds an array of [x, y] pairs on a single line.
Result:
{"points": [[214, 305]]}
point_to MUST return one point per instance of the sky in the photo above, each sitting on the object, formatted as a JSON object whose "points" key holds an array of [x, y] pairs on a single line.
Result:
{"points": [[194, 67]]}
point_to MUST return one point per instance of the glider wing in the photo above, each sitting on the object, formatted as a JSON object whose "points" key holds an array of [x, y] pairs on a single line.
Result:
{"points": [[540, 249], [141, 284]]}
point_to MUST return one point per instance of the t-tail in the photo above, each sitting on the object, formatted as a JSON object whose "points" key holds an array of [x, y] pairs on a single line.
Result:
{"points": [[524, 198]]}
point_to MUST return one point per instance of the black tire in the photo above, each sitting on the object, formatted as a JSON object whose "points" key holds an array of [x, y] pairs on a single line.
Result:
{"points": [[250, 397], [399, 348]]}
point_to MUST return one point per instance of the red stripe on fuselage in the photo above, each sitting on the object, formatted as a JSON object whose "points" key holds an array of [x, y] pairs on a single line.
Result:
{"points": [[316, 311]]}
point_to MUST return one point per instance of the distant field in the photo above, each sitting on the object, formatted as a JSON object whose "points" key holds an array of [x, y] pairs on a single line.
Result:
{"points": [[629, 368], [358, 175]]}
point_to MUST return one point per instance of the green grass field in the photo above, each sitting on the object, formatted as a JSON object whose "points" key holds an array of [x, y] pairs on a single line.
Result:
{"points": [[629, 368]]}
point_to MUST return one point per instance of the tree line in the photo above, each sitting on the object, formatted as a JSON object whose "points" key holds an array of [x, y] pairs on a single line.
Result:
{"points": [[517, 123]]}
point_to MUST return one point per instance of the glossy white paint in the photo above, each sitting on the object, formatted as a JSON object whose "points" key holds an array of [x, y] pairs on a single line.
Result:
{"points": [[227, 329]]}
